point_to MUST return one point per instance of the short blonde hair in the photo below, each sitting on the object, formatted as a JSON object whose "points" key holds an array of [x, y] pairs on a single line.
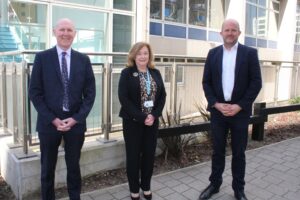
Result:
{"points": [[134, 51]]}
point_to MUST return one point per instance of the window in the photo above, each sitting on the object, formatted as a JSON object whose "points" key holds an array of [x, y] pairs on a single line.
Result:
{"points": [[91, 33], [155, 9], [175, 10], [198, 12], [297, 39], [262, 18], [122, 33]]}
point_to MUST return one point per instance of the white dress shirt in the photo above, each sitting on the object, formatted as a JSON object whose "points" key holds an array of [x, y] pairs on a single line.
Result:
{"points": [[67, 56], [228, 71]]}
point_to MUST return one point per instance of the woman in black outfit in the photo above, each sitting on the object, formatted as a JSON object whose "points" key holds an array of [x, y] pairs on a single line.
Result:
{"points": [[142, 96]]}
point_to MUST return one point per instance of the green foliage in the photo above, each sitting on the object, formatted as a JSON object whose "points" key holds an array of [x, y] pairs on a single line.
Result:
{"points": [[295, 100], [175, 145], [205, 115]]}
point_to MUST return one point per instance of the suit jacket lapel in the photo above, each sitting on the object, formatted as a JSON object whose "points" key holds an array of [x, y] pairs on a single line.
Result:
{"points": [[55, 60], [239, 58], [220, 60]]}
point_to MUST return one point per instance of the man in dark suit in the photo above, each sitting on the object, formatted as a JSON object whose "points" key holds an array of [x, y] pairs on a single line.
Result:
{"points": [[231, 82], [62, 89]]}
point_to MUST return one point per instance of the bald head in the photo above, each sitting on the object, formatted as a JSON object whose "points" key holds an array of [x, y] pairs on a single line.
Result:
{"points": [[64, 32], [231, 21]]}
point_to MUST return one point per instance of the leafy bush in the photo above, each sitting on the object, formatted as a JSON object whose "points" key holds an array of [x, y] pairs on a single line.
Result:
{"points": [[295, 100], [175, 145]]}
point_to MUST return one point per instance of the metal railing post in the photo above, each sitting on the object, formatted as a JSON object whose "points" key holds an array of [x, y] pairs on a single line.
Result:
{"points": [[173, 88], [276, 84], [106, 101], [24, 106], [14, 103], [3, 97]]}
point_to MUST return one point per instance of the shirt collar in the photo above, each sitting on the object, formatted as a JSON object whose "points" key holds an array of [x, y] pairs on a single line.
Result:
{"points": [[60, 50], [234, 47]]}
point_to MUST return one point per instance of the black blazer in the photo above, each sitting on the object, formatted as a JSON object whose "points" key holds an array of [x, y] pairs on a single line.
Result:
{"points": [[247, 83], [46, 89], [130, 95]]}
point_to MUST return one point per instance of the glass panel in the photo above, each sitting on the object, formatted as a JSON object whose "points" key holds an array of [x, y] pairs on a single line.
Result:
{"points": [[122, 33], [27, 23], [155, 9], [99, 3], [262, 3], [250, 20], [91, 34], [115, 100], [252, 1], [198, 12], [123, 4], [261, 23], [217, 6], [273, 25], [175, 10]]}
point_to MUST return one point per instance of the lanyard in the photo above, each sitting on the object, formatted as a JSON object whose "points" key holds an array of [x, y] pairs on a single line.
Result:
{"points": [[148, 83]]}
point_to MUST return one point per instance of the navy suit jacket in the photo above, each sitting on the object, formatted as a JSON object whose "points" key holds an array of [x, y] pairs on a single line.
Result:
{"points": [[46, 89], [129, 92], [247, 82]]}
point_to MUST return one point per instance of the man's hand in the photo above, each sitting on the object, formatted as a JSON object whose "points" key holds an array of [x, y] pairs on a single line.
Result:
{"points": [[64, 125], [228, 110]]}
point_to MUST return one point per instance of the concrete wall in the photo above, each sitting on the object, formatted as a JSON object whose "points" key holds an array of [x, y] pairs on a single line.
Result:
{"points": [[23, 173]]}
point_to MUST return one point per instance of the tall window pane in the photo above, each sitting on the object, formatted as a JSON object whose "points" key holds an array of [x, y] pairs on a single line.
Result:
{"points": [[217, 6], [155, 9], [198, 12], [28, 24], [91, 33], [251, 19], [123, 4], [175, 10], [122, 33], [261, 23]]}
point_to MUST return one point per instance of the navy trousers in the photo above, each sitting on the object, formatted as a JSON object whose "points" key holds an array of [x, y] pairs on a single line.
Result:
{"points": [[140, 143], [49, 143], [220, 127]]}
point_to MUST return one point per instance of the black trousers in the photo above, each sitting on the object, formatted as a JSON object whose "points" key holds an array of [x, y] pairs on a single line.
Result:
{"points": [[238, 127], [49, 143], [140, 143]]}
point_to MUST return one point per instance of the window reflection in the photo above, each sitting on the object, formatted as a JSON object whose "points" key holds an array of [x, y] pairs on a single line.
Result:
{"points": [[28, 22], [175, 10], [262, 18], [122, 33], [91, 33], [198, 12], [123, 4], [155, 9]]}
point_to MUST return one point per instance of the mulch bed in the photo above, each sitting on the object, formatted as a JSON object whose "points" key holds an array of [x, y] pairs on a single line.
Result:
{"points": [[280, 127]]}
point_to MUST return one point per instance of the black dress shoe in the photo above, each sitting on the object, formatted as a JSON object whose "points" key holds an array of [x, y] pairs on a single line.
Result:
{"points": [[208, 192], [240, 196], [148, 196]]}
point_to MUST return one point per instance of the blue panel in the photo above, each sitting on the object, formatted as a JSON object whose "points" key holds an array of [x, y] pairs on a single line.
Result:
{"points": [[297, 48], [214, 36], [197, 34], [272, 44], [262, 43], [155, 28], [249, 41], [175, 31]]}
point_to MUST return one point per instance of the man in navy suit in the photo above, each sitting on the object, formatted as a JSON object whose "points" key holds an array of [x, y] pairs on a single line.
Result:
{"points": [[231, 83], [62, 90]]}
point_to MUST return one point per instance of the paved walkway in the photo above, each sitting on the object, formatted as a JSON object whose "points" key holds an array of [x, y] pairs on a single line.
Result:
{"points": [[273, 172]]}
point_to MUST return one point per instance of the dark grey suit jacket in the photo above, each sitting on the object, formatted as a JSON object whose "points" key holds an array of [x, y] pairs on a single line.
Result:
{"points": [[247, 82], [46, 89]]}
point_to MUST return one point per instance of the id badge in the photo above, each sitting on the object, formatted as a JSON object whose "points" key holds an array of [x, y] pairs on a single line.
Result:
{"points": [[148, 104]]}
